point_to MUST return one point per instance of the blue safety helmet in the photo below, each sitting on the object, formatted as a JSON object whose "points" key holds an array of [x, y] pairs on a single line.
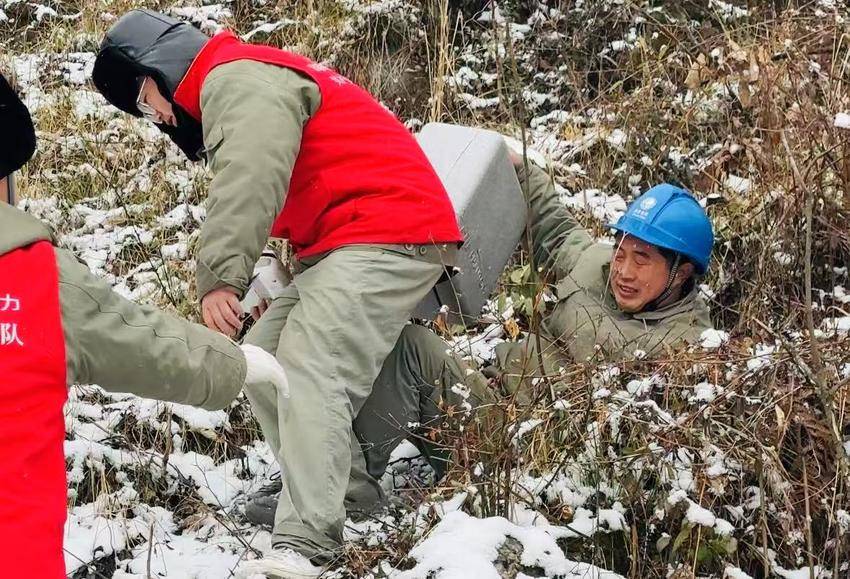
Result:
{"points": [[668, 216]]}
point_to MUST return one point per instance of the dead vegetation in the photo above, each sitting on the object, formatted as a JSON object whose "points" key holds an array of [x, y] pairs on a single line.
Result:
{"points": [[737, 106]]}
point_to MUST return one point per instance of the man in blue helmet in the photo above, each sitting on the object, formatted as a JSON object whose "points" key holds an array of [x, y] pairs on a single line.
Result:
{"points": [[636, 298]]}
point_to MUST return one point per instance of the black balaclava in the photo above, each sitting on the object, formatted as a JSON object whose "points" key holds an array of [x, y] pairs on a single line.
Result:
{"points": [[17, 142], [146, 43]]}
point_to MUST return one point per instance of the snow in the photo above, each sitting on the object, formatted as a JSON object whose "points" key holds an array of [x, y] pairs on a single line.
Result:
{"points": [[603, 206], [478, 103], [782, 258], [78, 68], [527, 427], [209, 18], [617, 139], [90, 104], [698, 515], [480, 347], [639, 388], [737, 184], [269, 27], [840, 295], [461, 546], [89, 535], [804, 573], [734, 573], [837, 326], [217, 485], [42, 11], [605, 376], [727, 10], [704, 392], [107, 432], [184, 557], [842, 120], [843, 519], [712, 339], [763, 356]]}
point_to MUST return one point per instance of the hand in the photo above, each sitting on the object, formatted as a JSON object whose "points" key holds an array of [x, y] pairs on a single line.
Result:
{"points": [[258, 310], [222, 312], [263, 367], [516, 159]]}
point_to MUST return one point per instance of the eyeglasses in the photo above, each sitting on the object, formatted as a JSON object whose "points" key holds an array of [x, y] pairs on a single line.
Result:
{"points": [[148, 112]]}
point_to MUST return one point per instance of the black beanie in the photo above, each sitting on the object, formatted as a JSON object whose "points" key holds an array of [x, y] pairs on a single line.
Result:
{"points": [[17, 144]]}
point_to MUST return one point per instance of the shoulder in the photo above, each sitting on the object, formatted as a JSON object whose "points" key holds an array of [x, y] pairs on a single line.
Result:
{"points": [[591, 267], [20, 229], [247, 78]]}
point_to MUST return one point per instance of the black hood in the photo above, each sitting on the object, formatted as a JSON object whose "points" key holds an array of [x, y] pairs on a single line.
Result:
{"points": [[17, 144], [146, 43]]}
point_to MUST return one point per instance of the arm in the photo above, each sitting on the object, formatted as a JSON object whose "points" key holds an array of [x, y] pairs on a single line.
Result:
{"points": [[557, 238], [125, 347], [620, 338], [253, 116], [653, 340]]}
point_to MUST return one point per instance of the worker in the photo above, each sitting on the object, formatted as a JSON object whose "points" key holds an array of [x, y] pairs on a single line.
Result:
{"points": [[637, 297], [60, 325], [297, 151]]}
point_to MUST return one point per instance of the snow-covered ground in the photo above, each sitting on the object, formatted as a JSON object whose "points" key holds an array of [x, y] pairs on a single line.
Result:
{"points": [[157, 489]]}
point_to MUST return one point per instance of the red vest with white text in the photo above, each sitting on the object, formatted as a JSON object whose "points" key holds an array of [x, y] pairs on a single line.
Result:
{"points": [[33, 389], [360, 176]]}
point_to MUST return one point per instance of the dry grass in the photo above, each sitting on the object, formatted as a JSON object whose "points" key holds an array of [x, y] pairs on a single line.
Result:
{"points": [[718, 95]]}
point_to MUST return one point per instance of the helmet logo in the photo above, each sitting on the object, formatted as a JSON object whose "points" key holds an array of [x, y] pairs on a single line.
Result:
{"points": [[648, 203], [642, 210]]}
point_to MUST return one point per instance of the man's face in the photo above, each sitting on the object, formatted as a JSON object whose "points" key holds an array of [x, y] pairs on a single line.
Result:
{"points": [[153, 105], [639, 273]]}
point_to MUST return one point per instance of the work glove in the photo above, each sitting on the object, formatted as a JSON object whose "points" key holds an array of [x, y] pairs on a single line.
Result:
{"points": [[264, 368], [268, 282]]}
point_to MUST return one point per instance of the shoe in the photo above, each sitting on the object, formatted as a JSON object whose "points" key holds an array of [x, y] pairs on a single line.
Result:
{"points": [[280, 563], [271, 488], [261, 505]]}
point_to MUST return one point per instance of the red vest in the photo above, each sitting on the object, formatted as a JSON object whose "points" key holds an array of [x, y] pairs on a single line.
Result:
{"points": [[360, 176], [33, 489]]}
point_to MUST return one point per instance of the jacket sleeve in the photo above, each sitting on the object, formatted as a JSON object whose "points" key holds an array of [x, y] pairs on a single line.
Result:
{"points": [[253, 118], [652, 341], [125, 347], [619, 339], [557, 238]]}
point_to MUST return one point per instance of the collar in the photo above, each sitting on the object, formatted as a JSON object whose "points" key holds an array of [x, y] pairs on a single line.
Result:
{"points": [[188, 92]]}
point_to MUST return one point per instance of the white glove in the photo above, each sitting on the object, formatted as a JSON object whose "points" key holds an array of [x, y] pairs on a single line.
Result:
{"points": [[263, 367], [267, 283]]}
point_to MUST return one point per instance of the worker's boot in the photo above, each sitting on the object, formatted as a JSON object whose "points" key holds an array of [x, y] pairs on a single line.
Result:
{"points": [[262, 504]]}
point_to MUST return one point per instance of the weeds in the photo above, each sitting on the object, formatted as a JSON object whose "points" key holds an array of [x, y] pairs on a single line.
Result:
{"points": [[738, 108]]}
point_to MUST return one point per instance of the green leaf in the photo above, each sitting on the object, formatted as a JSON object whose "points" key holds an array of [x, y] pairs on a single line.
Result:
{"points": [[705, 553], [519, 275], [682, 537]]}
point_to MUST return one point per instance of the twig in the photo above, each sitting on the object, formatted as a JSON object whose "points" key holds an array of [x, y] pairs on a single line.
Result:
{"points": [[822, 389], [150, 553], [809, 541]]}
